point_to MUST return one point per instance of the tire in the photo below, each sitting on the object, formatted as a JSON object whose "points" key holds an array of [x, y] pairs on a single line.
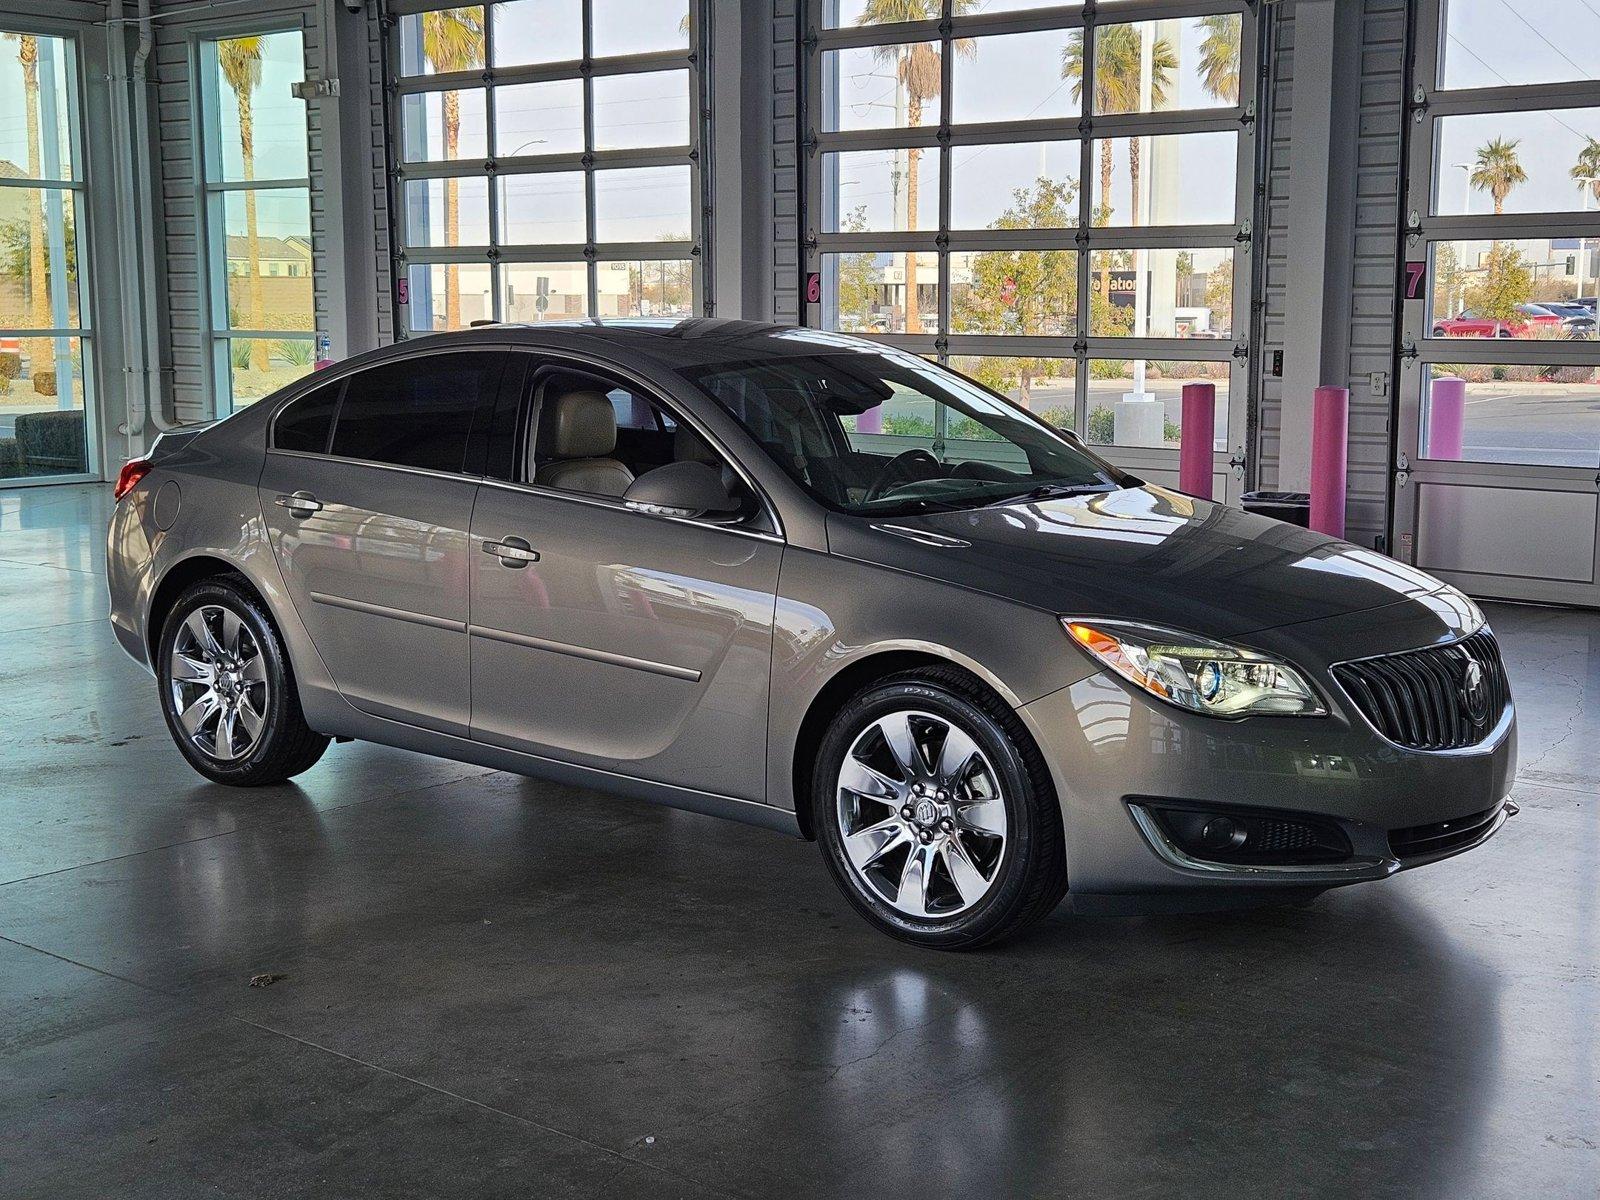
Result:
{"points": [[241, 724], [984, 832]]}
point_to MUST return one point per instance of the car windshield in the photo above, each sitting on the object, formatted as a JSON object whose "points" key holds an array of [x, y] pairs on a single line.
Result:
{"points": [[887, 433]]}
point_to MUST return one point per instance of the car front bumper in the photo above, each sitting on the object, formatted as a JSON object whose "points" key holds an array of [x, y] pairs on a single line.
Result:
{"points": [[1116, 754]]}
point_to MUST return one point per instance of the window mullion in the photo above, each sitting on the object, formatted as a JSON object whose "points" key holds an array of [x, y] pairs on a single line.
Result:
{"points": [[591, 236]]}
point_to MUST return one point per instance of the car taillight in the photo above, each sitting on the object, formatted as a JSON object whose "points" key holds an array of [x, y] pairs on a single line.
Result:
{"points": [[132, 471]]}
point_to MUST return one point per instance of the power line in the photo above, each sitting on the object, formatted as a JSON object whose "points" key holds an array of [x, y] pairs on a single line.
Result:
{"points": [[1542, 38], [1479, 60]]}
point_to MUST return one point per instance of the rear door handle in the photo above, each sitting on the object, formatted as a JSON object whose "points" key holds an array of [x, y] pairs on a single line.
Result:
{"points": [[512, 552], [301, 504]]}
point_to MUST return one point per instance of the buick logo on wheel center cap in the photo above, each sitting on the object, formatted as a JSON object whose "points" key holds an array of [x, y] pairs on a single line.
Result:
{"points": [[926, 812], [1474, 693]]}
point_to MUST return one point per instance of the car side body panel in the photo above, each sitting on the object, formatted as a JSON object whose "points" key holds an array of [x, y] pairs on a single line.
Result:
{"points": [[635, 642], [378, 578], [834, 613]]}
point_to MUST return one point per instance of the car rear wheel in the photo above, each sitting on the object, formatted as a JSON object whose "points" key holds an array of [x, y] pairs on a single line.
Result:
{"points": [[935, 812], [227, 691]]}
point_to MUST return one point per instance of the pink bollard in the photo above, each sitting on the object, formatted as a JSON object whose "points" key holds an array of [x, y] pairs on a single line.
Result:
{"points": [[1199, 431], [1330, 436], [870, 421], [1447, 418]]}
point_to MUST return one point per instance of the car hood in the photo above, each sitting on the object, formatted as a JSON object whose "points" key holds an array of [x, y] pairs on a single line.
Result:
{"points": [[1140, 554]]}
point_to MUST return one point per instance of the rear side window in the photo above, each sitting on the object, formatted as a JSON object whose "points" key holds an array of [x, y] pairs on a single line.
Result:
{"points": [[306, 424], [417, 412]]}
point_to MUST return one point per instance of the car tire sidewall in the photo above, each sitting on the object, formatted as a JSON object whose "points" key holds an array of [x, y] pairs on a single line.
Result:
{"points": [[226, 595], [975, 923]]}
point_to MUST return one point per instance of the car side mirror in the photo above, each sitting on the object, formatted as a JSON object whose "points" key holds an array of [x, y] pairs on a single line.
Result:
{"points": [[683, 489]]}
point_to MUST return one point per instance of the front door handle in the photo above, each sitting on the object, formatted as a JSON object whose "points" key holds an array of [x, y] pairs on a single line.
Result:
{"points": [[512, 552], [301, 504]]}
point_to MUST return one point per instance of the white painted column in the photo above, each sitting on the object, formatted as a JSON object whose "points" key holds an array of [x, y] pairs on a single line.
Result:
{"points": [[1324, 124]]}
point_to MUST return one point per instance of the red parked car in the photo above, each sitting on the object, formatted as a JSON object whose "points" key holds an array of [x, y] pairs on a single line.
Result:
{"points": [[1470, 324]]}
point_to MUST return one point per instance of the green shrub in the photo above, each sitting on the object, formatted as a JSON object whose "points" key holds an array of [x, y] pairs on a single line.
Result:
{"points": [[51, 442], [1102, 426], [239, 351], [1061, 418], [295, 352], [966, 429], [10, 456], [44, 383], [10, 368], [908, 425]]}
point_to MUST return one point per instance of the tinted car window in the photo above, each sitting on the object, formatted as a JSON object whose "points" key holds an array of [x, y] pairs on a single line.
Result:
{"points": [[881, 433], [417, 412], [305, 424]]}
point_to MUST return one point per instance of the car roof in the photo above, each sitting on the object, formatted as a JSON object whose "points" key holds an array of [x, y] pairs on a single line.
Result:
{"points": [[670, 342]]}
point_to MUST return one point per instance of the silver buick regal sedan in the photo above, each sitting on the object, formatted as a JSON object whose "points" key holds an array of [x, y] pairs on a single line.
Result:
{"points": [[817, 584]]}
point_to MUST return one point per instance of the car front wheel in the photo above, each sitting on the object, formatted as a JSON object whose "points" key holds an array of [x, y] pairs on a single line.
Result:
{"points": [[227, 691], [936, 814]]}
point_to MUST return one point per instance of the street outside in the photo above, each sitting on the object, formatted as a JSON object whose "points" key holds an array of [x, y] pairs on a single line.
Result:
{"points": [[1538, 424]]}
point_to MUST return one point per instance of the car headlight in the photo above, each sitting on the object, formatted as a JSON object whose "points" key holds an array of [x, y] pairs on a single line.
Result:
{"points": [[1197, 673]]}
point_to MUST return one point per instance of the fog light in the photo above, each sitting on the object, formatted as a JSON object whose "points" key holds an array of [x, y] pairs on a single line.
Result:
{"points": [[1250, 836], [1223, 833]]}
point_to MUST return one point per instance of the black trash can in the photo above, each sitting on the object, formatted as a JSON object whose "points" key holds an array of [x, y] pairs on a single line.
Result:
{"points": [[1293, 507]]}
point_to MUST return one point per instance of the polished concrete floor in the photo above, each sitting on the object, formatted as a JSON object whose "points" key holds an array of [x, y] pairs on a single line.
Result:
{"points": [[494, 987]]}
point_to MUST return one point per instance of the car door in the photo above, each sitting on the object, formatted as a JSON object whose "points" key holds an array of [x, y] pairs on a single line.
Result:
{"points": [[617, 638], [367, 493]]}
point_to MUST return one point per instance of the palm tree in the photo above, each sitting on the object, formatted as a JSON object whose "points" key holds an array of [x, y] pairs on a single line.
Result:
{"points": [[1219, 56], [239, 59], [918, 70], [1586, 171], [1118, 81], [1498, 171], [1586, 174], [38, 290], [452, 40]]}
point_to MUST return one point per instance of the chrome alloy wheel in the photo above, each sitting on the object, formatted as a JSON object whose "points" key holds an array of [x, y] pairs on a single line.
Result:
{"points": [[219, 683], [921, 815]]}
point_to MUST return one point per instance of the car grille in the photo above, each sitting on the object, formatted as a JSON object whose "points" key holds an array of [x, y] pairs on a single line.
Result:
{"points": [[1441, 835], [1419, 699]]}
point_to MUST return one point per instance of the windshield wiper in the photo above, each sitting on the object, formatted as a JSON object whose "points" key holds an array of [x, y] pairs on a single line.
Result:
{"points": [[1052, 491]]}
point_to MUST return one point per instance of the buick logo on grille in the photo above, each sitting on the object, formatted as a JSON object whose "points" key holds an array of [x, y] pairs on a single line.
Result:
{"points": [[1475, 693]]}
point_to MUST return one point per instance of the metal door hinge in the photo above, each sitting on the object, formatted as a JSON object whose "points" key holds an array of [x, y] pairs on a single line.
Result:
{"points": [[314, 89]]}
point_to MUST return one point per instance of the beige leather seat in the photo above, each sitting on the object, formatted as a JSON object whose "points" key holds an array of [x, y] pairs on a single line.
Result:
{"points": [[578, 431]]}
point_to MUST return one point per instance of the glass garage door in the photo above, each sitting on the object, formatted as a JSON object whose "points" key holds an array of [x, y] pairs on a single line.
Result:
{"points": [[547, 161], [1053, 200], [1497, 470], [47, 426]]}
